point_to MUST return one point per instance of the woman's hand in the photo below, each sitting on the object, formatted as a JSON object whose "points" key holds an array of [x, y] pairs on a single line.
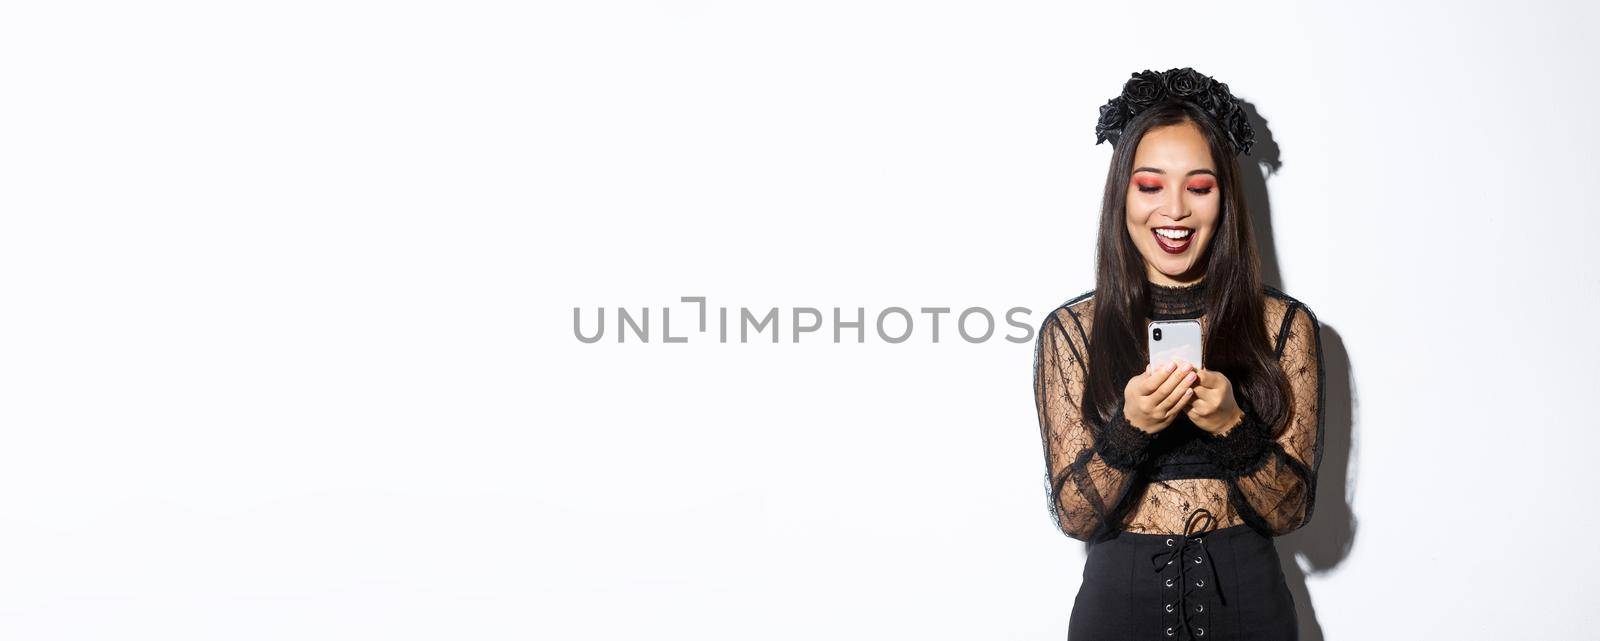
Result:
{"points": [[1152, 400], [1213, 408]]}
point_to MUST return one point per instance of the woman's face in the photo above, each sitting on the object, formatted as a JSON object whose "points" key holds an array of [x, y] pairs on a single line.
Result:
{"points": [[1173, 191]]}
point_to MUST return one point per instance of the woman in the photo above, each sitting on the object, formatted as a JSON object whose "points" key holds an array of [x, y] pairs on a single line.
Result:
{"points": [[1179, 477]]}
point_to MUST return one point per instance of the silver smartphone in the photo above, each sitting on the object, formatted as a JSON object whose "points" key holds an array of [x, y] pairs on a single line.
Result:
{"points": [[1175, 339]]}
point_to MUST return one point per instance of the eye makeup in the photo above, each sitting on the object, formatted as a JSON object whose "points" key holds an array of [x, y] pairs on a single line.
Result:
{"points": [[1147, 184], [1200, 186]]}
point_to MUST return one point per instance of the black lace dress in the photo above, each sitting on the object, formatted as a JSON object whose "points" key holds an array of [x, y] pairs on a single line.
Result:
{"points": [[1179, 524]]}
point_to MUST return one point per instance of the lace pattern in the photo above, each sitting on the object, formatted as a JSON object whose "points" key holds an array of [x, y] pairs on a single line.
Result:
{"points": [[1103, 478]]}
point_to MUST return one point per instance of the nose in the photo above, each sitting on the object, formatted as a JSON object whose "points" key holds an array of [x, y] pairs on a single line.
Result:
{"points": [[1175, 206]]}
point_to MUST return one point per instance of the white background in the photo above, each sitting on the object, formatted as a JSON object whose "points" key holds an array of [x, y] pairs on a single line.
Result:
{"points": [[286, 295]]}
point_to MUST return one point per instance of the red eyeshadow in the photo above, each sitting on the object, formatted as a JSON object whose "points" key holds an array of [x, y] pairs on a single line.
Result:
{"points": [[1147, 182], [1202, 183]]}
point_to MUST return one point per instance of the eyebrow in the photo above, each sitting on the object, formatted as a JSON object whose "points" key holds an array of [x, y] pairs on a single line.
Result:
{"points": [[1191, 172]]}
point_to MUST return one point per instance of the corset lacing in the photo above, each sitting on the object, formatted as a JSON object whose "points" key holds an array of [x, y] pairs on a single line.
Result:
{"points": [[1201, 522]]}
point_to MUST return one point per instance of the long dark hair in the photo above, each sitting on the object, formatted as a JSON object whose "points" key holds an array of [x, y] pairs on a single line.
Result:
{"points": [[1236, 342]]}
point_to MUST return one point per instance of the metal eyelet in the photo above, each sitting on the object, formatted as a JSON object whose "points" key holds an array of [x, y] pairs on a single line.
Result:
{"points": [[1197, 559], [1200, 583], [1169, 583], [1169, 632], [1199, 631], [1199, 607], [1169, 543]]}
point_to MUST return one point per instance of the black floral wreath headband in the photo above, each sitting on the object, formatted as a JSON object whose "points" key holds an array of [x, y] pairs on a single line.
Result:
{"points": [[1147, 88]]}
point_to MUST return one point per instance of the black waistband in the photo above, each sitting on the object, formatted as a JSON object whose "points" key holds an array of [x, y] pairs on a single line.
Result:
{"points": [[1171, 470]]}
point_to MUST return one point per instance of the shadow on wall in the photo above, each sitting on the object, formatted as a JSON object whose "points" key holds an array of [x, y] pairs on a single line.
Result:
{"points": [[1326, 541]]}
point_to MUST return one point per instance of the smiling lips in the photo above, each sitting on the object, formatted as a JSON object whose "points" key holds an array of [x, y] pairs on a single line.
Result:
{"points": [[1173, 240]]}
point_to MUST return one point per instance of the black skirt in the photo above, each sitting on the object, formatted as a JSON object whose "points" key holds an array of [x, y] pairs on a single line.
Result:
{"points": [[1209, 585]]}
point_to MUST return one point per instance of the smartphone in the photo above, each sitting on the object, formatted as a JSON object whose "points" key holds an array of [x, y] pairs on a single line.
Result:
{"points": [[1175, 339]]}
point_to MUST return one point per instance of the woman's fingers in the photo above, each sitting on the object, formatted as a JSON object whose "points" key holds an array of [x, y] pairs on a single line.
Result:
{"points": [[1155, 375], [1164, 388], [1171, 384], [1177, 403], [1165, 381], [1182, 386]]}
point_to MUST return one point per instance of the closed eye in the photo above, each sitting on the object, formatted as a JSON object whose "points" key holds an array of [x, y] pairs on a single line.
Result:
{"points": [[1151, 190]]}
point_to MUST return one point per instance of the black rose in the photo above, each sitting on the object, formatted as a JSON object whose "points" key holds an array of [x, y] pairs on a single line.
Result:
{"points": [[1144, 89], [1237, 124], [1221, 109], [1147, 88], [1186, 82], [1112, 118]]}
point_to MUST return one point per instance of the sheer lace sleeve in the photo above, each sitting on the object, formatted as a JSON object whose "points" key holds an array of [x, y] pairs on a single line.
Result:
{"points": [[1089, 467], [1273, 476]]}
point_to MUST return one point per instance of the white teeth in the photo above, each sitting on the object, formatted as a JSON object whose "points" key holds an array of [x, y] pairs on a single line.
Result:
{"points": [[1175, 234]]}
